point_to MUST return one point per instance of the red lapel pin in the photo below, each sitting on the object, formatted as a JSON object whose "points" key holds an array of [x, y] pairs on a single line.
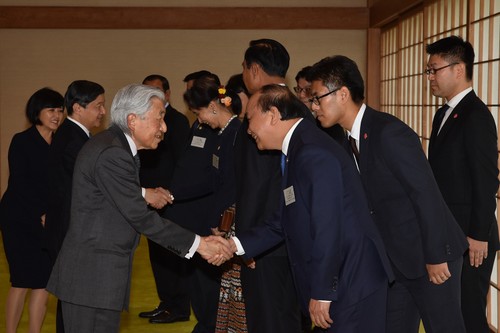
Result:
{"points": [[365, 136], [455, 115]]}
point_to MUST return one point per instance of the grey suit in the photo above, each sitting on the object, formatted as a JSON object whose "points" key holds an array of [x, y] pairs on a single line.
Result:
{"points": [[108, 212]]}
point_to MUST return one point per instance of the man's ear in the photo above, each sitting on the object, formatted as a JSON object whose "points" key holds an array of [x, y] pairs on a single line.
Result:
{"points": [[344, 94], [460, 68], [167, 95], [131, 119], [255, 69], [77, 108], [275, 115]]}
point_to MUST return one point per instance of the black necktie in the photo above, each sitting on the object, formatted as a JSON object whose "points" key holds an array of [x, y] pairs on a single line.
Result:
{"points": [[137, 161], [438, 119], [354, 149]]}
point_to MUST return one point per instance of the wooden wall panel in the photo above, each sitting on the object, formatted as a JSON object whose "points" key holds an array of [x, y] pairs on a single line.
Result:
{"points": [[183, 17]]}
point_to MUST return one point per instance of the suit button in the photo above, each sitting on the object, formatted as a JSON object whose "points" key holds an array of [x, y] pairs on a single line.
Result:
{"points": [[335, 284], [372, 212]]}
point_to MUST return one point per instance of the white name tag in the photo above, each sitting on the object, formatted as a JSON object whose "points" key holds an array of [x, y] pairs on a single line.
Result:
{"points": [[215, 161], [289, 195], [198, 141]]}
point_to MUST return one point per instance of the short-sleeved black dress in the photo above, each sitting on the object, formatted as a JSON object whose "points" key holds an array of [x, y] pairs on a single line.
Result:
{"points": [[21, 208]]}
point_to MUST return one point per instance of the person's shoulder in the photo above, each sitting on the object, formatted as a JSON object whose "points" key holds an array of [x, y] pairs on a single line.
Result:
{"points": [[472, 104], [173, 113], [25, 136]]}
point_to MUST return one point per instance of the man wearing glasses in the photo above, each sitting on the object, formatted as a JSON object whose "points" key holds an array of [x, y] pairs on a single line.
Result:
{"points": [[463, 156], [421, 237], [303, 92]]}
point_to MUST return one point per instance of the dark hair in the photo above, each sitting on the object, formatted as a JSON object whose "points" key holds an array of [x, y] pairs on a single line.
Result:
{"points": [[153, 77], [200, 74], [234, 86], [339, 71], [289, 106], [303, 74], [41, 99], [270, 55], [203, 91], [81, 92], [454, 49]]}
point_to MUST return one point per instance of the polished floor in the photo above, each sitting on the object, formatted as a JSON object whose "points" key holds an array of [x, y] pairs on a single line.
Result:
{"points": [[143, 298]]}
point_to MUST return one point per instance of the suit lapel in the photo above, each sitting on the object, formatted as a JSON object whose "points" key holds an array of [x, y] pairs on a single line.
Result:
{"points": [[451, 121], [364, 142], [77, 129], [292, 147], [121, 136]]}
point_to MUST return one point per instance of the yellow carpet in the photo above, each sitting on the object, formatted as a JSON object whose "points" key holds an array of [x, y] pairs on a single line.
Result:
{"points": [[143, 298]]}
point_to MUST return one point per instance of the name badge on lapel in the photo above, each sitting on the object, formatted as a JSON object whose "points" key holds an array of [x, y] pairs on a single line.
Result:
{"points": [[289, 195], [215, 161], [198, 141]]}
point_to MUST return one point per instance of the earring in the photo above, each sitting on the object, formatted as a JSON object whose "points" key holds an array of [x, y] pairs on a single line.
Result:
{"points": [[214, 112]]}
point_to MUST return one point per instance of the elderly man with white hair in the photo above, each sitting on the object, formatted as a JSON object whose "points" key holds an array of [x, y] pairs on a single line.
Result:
{"points": [[92, 273]]}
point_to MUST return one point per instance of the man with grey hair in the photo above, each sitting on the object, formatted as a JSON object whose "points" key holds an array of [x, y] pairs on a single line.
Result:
{"points": [[92, 273]]}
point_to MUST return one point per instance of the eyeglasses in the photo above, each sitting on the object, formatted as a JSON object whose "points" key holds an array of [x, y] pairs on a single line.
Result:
{"points": [[433, 71], [299, 90], [315, 99]]}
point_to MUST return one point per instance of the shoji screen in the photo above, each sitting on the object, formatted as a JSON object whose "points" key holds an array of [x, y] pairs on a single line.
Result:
{"points": [[405, 92]]}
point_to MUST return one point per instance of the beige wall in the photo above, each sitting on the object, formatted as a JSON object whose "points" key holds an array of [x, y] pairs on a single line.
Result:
{"points": [[31, 59]]}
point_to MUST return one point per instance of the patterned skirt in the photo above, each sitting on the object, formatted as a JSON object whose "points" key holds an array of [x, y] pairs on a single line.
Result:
{"points": [[231, 313]]}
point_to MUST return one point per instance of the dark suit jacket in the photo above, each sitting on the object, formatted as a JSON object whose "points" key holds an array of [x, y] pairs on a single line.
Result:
{"points": [[193, 182], [464, 159], [66, 144], [25, 200], [157, 165], [334, 248], [107, 214], [258, 184], [416, 225]]}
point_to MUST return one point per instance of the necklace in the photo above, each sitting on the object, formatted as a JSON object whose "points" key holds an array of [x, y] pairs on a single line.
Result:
{"points": [[223, 128]]}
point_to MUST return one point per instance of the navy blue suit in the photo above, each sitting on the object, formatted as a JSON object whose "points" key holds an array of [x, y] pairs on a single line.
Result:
{"points": [[334, 249]]}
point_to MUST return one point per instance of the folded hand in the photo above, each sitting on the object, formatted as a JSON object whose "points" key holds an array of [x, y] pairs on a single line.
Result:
{"points": [[158, 197]]}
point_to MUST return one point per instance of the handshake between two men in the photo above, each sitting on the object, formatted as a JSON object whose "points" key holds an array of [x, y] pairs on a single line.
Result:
{"points": [[216, 250]]}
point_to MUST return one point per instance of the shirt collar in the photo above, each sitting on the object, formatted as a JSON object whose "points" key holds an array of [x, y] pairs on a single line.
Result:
{"points": [[458, 97], [131, 143], [288, 136], [80, 125], [356, 127]]}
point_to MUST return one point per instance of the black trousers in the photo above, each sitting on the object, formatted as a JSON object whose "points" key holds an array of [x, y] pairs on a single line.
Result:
{"points": [[270, 297], [171, 274], [205, 291], [475, 287], [410, 300]]}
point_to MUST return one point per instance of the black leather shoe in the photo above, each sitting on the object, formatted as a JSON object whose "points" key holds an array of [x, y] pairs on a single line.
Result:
{"points": [[166, 318], [153, 313]]}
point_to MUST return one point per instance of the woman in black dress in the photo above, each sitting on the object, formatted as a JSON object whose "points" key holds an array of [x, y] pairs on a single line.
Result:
{"points": [[211, 104], [22, 210]]}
